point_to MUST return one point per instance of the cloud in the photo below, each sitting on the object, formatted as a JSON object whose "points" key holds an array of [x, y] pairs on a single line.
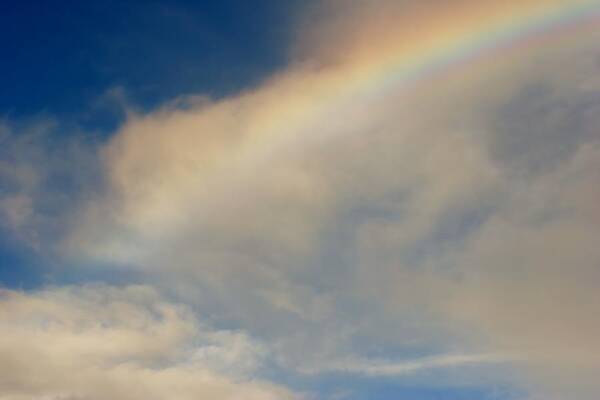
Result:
{"points": [[376, 368], [335, 221], [531, 271], [290, 202], [45, 176], [121, 343]]}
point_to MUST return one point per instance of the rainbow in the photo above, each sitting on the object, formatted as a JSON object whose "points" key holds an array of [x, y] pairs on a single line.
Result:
{"points": [[440, 42], [497, 35]]}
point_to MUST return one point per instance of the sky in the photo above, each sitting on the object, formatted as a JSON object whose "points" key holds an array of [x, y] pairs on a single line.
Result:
{"points": [[303, 200]]}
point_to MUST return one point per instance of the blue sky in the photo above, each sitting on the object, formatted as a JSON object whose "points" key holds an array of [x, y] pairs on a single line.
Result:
{"points": [[320, 200], [60, 58]]}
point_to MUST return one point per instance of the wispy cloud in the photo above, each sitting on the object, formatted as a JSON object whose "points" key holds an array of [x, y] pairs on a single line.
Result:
{"points": [[380, 368]]}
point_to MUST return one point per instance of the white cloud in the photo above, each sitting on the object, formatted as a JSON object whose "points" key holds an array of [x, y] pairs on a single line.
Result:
{"points": [[120, 343]]}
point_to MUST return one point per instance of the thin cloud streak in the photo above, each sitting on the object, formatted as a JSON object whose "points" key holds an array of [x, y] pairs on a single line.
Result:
{"points": [[386, 368]]}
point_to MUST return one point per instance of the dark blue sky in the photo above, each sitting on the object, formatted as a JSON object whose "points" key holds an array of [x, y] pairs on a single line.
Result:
{"points": [[59, 57]]}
